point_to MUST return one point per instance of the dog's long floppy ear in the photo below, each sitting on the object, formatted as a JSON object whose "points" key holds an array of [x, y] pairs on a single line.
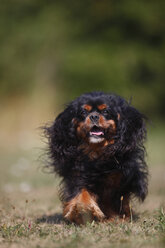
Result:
{"points": [[62, 136], [131, 127], [63, 127]]}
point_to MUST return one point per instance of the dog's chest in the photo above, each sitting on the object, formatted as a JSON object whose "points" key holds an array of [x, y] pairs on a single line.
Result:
{"points": [[113, 180], [105, 185], [110, 185]]}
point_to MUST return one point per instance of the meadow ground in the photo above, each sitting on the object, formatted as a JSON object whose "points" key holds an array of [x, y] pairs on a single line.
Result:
{"points": [[30, 211]]}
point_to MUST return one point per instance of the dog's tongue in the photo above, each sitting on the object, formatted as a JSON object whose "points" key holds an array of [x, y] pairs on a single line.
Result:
{"points": [[97, 133]]}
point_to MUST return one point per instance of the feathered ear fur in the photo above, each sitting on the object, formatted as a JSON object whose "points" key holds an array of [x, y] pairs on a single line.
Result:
{"points": [[63, 130], [131, 128], [62, 139]]}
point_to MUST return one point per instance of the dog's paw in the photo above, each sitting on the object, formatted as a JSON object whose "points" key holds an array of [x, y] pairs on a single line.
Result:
{"points": [[83, 208]]}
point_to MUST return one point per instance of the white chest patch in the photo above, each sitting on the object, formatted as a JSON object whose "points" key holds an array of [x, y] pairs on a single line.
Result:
{"points": [[95, 139]]}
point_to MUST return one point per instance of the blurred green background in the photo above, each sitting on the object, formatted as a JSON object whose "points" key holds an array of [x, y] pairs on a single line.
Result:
{"points": [[52, 51], [77, 46]]}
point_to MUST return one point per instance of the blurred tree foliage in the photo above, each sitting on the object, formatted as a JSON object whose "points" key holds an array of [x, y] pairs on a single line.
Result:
{"points": [[79, 46]]}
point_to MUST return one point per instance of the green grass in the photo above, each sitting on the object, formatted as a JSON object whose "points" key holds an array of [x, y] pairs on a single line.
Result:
{"points": [[30, 211], [147, 231]]}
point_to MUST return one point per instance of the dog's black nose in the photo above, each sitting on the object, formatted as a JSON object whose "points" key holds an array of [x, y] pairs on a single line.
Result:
{"points": [[94, 117]]}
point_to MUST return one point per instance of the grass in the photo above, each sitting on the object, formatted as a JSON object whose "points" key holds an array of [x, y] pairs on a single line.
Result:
{"points": [[25, 231], [30, 211]]}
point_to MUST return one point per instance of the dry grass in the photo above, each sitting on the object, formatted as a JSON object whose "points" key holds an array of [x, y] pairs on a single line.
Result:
{"points": [[34, 220], [30, 211]]}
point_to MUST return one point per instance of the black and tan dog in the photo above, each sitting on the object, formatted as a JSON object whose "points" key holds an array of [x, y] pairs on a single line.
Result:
{"points": [[96, 146]]}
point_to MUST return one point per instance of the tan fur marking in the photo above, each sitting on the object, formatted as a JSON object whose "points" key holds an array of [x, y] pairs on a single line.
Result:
{"points": [[95, 150], [82, 127], [82, 208], [87, 107], [102, 106], [112, 124], [105, 124]]}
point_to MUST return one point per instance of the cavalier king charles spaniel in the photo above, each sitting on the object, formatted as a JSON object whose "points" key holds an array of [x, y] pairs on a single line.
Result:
{"points": [[96, 147]]}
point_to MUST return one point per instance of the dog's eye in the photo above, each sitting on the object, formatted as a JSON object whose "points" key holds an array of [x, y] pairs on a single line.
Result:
{"points": [[83, 112], [104, 111]]}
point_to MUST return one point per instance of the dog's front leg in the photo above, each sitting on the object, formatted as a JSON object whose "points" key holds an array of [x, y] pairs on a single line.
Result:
{"points": [[83, 208]]}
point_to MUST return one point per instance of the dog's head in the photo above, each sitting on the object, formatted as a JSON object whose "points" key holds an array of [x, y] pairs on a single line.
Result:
{"points": [[96, 121], [98, 118]]}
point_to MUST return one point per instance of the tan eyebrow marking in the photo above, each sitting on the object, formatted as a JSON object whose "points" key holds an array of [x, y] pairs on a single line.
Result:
{"points": [[87, 107], [102, 106]]}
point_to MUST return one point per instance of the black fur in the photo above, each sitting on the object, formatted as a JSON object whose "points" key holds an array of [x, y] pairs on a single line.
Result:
{"points": [[126, 155]]}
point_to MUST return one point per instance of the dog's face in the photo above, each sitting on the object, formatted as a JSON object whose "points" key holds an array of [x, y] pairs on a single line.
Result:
{"points": [[99, 120], [96, 122]]}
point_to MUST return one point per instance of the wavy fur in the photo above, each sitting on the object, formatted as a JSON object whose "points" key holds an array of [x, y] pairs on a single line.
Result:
{"points": [[126, 155]]}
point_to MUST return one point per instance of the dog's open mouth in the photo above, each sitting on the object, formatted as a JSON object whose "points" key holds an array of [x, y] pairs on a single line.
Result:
{"points": [[96, 132]]}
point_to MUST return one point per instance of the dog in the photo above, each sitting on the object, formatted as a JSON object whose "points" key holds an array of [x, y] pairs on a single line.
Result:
{"points": [[96, 145]]}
